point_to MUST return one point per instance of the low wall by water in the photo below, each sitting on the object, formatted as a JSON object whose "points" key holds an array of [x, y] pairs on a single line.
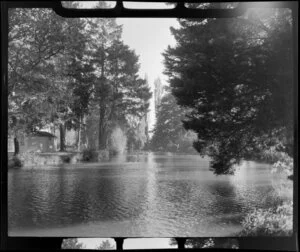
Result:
{"points": [[53, 158], [57, 158], [50, 158]]}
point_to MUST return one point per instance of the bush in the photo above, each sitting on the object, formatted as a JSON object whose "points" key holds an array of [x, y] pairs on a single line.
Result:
{"points": [[276, 221], [284, 165], [113, 152], [283, 170], [88, 155], [65, 159], [102, 155], [15, 162]]}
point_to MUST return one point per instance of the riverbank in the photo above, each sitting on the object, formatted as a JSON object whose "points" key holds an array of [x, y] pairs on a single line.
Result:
{"points": [[72, 157], [55, 158]]}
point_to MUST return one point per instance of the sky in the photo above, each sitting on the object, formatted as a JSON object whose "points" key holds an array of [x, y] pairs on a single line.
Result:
{"points": [[149, 37]]}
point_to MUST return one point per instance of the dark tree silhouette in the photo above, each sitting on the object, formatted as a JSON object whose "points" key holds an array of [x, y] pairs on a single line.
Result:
{"points": [[236, 77]]}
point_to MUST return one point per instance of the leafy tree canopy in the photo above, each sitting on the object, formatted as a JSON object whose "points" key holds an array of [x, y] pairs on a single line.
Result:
{"points": [[62, 69], [236, 77]]}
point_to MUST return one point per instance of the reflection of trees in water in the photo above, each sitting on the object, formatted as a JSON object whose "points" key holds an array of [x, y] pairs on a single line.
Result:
{"points": [[174, 164], [65, 197], [224, 203], [151, 171], [33, 198], [18, 198], [43, 200], [177, 201], [254, 185], [123, 158], [155, 191], [110, 197], [176, 191]]}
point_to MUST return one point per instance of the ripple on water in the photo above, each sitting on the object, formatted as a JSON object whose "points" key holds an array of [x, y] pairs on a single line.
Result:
{"points": [[145, 196]]}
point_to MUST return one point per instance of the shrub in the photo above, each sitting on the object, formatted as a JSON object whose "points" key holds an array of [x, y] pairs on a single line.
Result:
{"points": [[284, 166], [15, 162], [283, 169], [65, 159], [88, 155], [102, 155], [276, 221], [113, 152]]}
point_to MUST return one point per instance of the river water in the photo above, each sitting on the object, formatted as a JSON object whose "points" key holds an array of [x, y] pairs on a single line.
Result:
{"points": [[147, 195]]}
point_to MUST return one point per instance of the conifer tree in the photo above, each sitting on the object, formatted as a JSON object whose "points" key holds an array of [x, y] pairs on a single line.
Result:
{"points": [[236, 76]]}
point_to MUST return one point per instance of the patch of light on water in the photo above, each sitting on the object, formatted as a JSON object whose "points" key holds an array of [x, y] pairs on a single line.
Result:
{"points": [[240, 171], [251, 171]]}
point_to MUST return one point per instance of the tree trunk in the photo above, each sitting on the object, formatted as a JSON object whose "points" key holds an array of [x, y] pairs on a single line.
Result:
{"points": [[102, 139], [79, 135], [17, 146], [79, 140], [84, 134], [62, 137]]}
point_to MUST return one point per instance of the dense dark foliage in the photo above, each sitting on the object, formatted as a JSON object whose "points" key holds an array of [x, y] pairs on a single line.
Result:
{"points": [[236, 77]]}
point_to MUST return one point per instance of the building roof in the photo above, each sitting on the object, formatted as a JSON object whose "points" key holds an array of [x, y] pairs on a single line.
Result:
{"points": [[42, 134]]}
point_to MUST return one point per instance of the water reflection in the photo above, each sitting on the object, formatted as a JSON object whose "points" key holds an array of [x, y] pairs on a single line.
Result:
{"points": [[136, 195]]}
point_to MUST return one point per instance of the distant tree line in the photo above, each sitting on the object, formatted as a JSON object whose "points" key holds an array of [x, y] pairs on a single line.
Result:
{"points": [[169, 134]]}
